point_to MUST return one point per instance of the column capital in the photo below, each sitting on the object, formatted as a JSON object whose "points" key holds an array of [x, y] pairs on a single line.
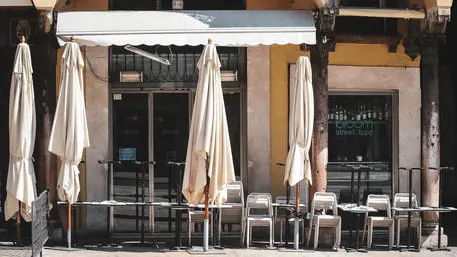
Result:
{"points": [[423, 38], [325, 39]]}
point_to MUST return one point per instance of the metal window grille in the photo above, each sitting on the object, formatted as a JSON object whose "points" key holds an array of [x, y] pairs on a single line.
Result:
{"points": [[183, 60]]}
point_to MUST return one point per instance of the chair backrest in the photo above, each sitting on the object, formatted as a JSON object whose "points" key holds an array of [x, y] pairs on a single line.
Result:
{"points": [[324, 201], [260, 202], [235, 193], [283, 200], [401, 200], [379, 202]]}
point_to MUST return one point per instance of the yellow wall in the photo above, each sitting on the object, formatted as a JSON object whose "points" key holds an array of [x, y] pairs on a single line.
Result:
{"points": [[282, 56]]}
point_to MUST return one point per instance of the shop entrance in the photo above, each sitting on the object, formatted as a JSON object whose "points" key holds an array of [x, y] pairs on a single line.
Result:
{"points": [[147, 127]]}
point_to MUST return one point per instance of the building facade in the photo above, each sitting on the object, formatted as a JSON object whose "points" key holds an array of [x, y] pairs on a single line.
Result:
{"points": [[375, 82]]}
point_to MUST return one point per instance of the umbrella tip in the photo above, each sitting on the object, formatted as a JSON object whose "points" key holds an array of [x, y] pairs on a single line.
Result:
{"points": [[22, 39], [72, 39], [210, 40]]}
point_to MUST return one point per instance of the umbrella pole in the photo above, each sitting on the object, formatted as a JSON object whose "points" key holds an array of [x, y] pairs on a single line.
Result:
{"points": [[206, 217], [69, 225], [296, 220], [18, 225], [206, 222]]}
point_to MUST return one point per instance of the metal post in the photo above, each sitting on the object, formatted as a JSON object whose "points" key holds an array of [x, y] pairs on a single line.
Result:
{"points": [[69, 225], [296, 220]]}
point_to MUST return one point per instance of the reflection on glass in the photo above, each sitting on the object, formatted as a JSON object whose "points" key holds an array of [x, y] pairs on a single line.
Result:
{"points": [[171, 133], [130, 134]]}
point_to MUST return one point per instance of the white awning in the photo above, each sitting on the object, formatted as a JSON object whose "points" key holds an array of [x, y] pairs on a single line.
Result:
{"points": [[226, 28]]}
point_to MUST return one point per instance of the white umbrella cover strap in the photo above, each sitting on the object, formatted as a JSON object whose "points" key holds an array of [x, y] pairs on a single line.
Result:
{"points": [[69, 134], [21, 182], [209, 151], [301, 120]]}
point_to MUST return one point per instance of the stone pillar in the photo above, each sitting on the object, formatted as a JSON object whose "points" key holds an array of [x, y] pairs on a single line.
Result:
{"points": [[430, 129], [258, 119], [44, 56], [319, 63], [97, 106]]}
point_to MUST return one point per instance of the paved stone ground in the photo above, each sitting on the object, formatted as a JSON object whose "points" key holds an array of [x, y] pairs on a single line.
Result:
{"points": [[136, 251]]}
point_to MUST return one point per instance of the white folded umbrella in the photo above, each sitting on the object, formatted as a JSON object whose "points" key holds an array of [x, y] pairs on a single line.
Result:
{"points": [[209, 159], [20, 185], [301, 121], [209, 152], [69, 134]]}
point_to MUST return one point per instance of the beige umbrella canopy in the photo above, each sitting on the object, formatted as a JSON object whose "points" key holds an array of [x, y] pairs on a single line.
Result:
{"points": [[301, 118], [20, 185], [209, 162], [69, 134], [209, 153]]}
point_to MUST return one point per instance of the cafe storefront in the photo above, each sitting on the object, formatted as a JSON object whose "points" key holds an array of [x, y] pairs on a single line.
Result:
{"points": [[145, 116]]}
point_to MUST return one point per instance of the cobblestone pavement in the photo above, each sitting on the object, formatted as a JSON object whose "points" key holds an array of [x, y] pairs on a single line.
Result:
{"points": [[137, 251]]}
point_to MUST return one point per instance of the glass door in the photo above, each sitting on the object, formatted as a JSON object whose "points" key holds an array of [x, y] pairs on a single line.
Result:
{"points": [[171, 131], [131, 148]]}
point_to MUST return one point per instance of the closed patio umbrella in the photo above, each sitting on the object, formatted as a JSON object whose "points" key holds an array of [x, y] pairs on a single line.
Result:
{"points": [[209, 163], [69, 134], [20, 185], [301, 117]]}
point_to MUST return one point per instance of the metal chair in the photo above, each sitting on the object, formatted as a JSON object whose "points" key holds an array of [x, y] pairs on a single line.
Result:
{"points": [[235, 214], [262, 215], [380, 203], [319, 218], [197, 216], [401, 200], [280, 216]]}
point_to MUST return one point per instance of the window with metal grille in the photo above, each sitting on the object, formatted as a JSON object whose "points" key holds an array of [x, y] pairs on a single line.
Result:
{"points": [[183, 61]]}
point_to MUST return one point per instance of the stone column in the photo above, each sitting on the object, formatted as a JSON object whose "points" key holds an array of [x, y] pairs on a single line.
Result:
{"points": [[319, 63], [430, 129], [44, 56], [97, 106], [258, 119]]}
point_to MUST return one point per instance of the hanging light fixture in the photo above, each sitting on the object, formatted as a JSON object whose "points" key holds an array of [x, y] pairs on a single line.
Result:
{"points": [[147, 55], [177, 4]]}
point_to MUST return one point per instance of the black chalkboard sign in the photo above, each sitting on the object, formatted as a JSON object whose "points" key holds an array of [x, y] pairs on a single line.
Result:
{"points": [[40, 228]]}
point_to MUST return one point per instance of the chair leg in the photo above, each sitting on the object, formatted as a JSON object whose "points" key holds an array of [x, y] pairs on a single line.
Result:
{"points": [[309, 232], [248, 236], [391, 235], [339, 234], [189, 231], [370, 234], [271, 235], [280, 231], [419, 236], [316, 234], [398, 233], [364, 228]]}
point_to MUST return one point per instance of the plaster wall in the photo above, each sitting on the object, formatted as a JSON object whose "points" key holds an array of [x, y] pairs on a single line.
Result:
{"points": [[258, 118], [97, 105], [406, 81]]}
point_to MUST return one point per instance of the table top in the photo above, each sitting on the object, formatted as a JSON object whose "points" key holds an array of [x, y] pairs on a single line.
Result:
{"points": [[162, 204], [352, 207], [116, 203], [424, 209], [285, 205]]}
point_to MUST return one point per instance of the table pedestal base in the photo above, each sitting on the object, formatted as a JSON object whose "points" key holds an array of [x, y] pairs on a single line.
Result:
{"points": [[201, 251], [292, 250], [354, 250], [409, 249]]}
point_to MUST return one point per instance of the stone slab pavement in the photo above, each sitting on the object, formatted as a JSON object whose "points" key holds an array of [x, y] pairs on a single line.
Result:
{"points": [[137, 251]]}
